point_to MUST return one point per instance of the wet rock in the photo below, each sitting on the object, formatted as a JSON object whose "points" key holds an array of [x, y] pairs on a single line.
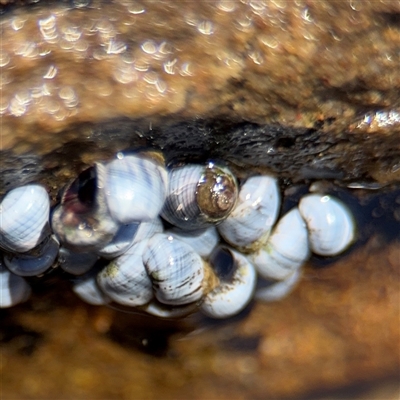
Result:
{"points": [[71, 70], [306, 89]]}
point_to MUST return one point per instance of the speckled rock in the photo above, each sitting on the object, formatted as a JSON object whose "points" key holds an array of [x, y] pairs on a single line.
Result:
{"points": [[306, 89], [69, 68]]}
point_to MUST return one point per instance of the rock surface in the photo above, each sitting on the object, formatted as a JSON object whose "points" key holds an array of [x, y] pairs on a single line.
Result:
{"points": [[307, 89], [69, 72]]}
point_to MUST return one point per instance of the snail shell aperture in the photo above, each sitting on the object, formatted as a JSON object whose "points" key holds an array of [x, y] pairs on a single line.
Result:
{"points": [[82, 221], [237, 278], [35, 262]]}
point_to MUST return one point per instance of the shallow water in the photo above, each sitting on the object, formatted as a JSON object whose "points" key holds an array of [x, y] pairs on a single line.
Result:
{"points": [[336, 333]]}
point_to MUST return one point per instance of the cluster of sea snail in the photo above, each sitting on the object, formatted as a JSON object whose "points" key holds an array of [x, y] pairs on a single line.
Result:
{"points": [[170, 240]]}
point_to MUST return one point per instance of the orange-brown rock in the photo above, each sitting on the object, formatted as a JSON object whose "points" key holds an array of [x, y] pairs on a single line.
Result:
{"points": [[309, 65]]}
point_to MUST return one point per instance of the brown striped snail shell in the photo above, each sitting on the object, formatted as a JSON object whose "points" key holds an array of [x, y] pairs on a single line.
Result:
{"points": [[199, 195]]}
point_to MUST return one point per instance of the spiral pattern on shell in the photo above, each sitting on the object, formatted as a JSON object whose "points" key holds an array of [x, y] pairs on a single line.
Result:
{"points": [[199, 196]]}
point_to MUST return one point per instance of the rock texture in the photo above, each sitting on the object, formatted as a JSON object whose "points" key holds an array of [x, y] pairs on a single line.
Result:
{"points": [[308, 89], [68, 70]]}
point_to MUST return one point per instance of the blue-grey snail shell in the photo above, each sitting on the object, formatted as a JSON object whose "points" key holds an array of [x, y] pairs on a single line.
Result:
{"points": [[237, 282], [135, 188], [175, 269], [125, 279], [330, 224], [249, 224], [82, 221], [24, 215], [286, 250], [34, 262], [199, 195], [13, 288]]}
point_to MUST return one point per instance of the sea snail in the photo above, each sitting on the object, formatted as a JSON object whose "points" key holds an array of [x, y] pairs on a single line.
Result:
{"points": [[135, 188], [237, 282], [81, 221], [249, 224], [199, 195], [286, 250], [330, 224], [128, 190], [209, 260]]}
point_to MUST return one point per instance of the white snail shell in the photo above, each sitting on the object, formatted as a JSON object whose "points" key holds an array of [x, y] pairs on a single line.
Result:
{"points": [[24, 215], [330, 223], [135, 188], [250, 222], [125, 279], [175, 270], [13, 289], [286, 250], [199, 195], [237, 278], [35, 262], [203, 241]]}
